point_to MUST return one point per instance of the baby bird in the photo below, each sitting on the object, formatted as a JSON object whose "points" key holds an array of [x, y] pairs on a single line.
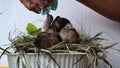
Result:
{"points": [[59, 23], [45, 40], [69, 35], [49, 36]]}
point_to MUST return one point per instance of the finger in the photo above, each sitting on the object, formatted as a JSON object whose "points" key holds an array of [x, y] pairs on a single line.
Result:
{"points": [[39, 3], [26, 3], [34, 8], [36, 11], [47, 2], [41, 6]]}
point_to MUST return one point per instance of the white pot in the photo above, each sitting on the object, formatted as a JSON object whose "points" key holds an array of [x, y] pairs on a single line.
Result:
{"points": [[65, 60]]}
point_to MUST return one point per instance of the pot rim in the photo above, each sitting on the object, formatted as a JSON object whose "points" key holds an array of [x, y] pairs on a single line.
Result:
{"points": [[13, 54]]}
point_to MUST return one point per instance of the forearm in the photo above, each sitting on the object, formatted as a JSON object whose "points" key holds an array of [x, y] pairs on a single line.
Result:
{"points": [[108, 8]]}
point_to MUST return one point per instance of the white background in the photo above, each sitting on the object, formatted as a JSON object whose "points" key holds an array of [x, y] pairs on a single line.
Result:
{"points": [[15, 15]]}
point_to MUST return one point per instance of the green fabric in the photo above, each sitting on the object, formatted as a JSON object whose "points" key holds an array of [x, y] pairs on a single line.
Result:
{"points": [[53, 6], [44, 11]]}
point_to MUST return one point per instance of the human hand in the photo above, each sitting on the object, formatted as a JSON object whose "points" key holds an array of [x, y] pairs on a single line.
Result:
{"points": [[40, 6]]}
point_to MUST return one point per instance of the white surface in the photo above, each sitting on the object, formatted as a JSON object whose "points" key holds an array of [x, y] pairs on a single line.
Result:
{"points": [[16, 15]]}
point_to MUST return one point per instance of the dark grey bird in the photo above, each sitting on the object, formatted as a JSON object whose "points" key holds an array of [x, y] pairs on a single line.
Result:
{"points": [[49, 36], [69, 34], [59, 23]]}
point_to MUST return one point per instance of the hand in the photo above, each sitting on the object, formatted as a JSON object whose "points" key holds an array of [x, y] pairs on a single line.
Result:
{"points": [[35, 5]]}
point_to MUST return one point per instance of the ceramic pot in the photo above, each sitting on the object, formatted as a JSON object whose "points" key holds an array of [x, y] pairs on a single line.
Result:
{"points": [[64, 60]]}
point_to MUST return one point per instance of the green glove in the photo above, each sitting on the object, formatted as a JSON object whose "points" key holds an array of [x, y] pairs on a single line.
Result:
{"points": [[53, 6]]}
